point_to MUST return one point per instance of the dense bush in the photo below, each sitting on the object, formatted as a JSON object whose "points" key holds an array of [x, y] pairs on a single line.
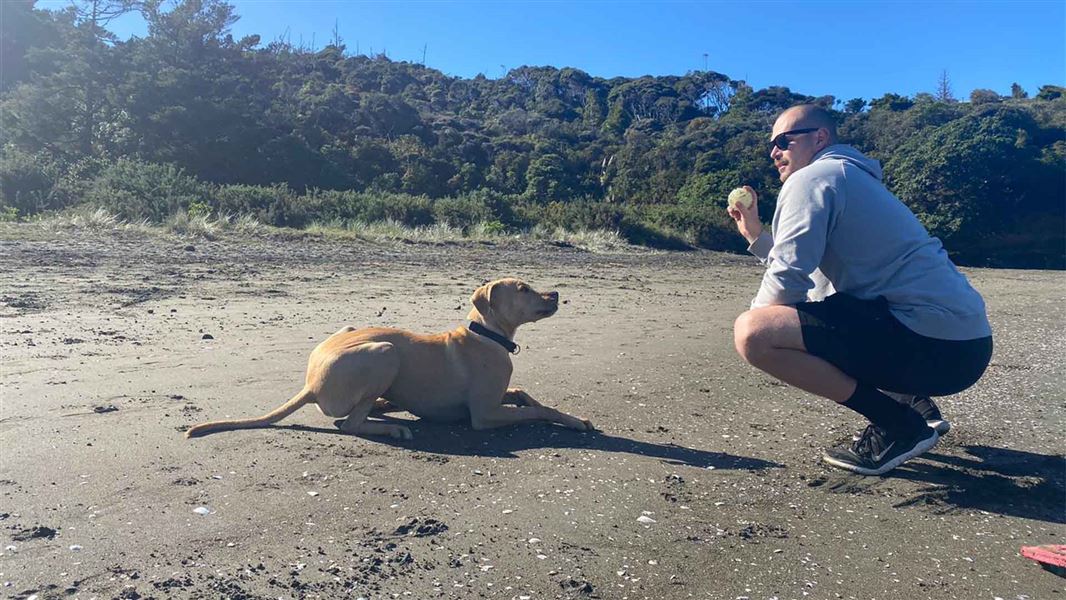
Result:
{"points": [[272, 205], [136, 191], [28, 181], [977, 178], [707, 225], [585, 214], [368, 207], [463, 212]]}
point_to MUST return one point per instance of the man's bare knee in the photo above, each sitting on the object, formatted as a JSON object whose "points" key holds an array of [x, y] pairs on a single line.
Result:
{"points": [[748, 336], [759, 332]]}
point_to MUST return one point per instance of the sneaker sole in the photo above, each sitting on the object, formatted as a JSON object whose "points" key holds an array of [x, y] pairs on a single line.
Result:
{"points": [[941, 426], [919, 448]]}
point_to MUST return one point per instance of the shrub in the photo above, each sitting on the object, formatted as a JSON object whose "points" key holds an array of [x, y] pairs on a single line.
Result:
{"points": [[637, 231], [629, 223], [368, 207], [462, 212], [272, 205], [487, 229], [708, 226], [413, 211], [73, 185], [27, 182], [481, 205], [709, 188], [135, 190], [583, 214]]}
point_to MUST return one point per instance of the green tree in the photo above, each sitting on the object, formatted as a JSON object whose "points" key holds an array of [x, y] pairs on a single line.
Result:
{"points": [[70, 109], [1051, 92], [855, 105], [893, 102], [22, 29], [594, 110], [983, 96], [968, 179], [547, 179], [194, 97]]}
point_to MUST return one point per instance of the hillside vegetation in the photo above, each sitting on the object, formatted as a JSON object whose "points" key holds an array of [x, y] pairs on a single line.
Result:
{"points": [[190, 120]]}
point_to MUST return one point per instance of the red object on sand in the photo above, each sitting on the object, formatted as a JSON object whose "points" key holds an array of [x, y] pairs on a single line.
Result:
{"points": [[1051, 557]]}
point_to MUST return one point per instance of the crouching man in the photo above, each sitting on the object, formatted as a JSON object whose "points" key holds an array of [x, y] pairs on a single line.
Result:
{"points": [[902, 318]]}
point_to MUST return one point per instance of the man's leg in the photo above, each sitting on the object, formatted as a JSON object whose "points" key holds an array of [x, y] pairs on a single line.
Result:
{"points": [[771, 339], [926, 407]]}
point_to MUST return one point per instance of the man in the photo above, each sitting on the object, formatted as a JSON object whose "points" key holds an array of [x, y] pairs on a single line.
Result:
{"points": [[902, 318]]}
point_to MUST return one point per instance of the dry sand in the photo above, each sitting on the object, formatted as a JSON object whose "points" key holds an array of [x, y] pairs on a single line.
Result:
{"points": [[114, 342]]}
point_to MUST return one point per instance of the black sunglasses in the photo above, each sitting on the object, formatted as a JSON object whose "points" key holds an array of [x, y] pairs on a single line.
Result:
{"points": [[782, 143]]}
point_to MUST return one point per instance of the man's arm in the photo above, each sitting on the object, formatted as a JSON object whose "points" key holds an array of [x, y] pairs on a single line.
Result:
{"points": [[823, 288], [801, 227]]}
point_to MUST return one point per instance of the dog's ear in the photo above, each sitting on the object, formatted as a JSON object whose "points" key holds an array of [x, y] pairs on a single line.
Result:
{"points": [[482, 298]]}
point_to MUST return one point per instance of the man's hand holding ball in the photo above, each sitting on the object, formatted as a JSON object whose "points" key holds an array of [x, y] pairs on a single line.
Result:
{"points": [[744, 209]]}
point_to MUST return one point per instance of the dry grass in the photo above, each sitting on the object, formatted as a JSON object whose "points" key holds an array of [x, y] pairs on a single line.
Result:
{"points": [[593, 240], [389, 230], [211, 227], [88, 218]]}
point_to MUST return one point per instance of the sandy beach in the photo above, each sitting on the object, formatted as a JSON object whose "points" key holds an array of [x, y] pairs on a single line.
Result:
{"points": [[704, 478]]}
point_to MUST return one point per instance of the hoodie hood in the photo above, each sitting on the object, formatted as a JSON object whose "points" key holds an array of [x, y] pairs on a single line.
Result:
{"points": [[848, 154]]}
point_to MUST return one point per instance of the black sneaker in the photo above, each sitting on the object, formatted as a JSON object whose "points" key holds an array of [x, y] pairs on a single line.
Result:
{"points": [[930, 412], [877, 452], [925, 406]]}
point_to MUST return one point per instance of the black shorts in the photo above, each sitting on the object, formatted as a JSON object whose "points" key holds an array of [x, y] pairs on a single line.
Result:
{"points": [[863, 339]]}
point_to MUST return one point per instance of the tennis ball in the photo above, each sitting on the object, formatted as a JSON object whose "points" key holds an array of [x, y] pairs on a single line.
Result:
{"points": [[741, 197]]}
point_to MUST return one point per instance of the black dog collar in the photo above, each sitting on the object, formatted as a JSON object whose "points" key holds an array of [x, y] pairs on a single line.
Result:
{"points": [[507, 344]]}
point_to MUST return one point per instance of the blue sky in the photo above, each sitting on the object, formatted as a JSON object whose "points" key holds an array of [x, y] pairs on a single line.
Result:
{"points": [[847, 49]]}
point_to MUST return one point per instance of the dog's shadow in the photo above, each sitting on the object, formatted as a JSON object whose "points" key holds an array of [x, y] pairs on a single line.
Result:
{"points": [[460, 439]]}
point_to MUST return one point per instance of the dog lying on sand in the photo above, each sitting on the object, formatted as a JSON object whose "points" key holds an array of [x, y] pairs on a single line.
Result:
{"points": [[449, 376]]}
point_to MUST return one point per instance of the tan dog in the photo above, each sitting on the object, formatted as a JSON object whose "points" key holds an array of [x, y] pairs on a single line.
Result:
{"points": [[443, 377]]}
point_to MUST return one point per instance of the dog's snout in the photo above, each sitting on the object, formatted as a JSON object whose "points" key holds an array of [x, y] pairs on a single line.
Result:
{"points": [[554, 296]]}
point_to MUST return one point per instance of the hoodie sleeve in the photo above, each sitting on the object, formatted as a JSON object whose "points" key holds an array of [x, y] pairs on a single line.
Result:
{"points": [[801, 227], [823, 288], [761, 246]]}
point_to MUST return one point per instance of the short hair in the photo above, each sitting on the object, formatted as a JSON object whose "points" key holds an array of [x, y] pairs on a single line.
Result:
{"points": [[813, 115]]}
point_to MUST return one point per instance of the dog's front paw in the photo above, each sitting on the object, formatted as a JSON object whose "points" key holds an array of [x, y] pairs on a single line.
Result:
{"points": [[580, 424]]}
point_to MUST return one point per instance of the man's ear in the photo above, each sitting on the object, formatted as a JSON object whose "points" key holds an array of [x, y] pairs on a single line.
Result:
{"points": [[482, 298], [823, 138]]}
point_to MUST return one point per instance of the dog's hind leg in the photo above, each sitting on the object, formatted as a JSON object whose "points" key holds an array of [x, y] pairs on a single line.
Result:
{"points": [[357, 424], [353, 385]]}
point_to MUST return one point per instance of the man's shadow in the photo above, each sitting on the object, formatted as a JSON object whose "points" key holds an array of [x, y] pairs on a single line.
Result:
{"points": [[995, 480], [459, 439]]}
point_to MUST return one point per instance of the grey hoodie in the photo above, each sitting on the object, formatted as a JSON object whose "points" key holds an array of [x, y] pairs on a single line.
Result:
{"points": [[835, 216]]}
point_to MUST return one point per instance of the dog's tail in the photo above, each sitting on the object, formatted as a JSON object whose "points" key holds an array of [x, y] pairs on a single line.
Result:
{"points": [[305, 396]]}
